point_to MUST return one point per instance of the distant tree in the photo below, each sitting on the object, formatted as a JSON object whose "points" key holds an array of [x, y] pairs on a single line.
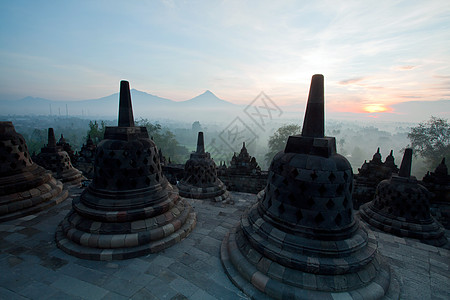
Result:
{"points": [[37, 140], [431, 140], [166, 141], [95, 132], [278, 140], [196, 126]]}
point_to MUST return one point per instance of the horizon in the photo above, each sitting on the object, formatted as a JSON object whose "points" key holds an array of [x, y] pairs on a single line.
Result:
{"points": [[373, 56]]}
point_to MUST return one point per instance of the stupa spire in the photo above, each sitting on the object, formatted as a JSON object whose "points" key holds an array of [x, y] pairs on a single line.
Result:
{"points": [[313, 124], [200, 143], [126, 118], [405, 167], [51, 138]]}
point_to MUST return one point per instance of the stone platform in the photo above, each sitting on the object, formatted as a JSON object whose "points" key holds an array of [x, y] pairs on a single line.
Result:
{"points": [[32, 267]]}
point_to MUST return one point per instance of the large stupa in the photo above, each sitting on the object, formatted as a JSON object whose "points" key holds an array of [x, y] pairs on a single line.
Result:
{"points": [[301, 239], [25, 187], [129, 209]]}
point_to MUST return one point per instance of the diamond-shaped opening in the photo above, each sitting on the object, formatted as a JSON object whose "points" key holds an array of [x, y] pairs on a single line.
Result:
{"points": [[138, 153], [310, 202], [302, 186], [299, 215], [285, 181], [319, 218], [152, 169], [291, 197], [281, 208], [330, 204], [157, 177], [332, 177], [338, 219], [16, 155], [294, 172], [133, 183], [322, 189], [154, 158], [145, 161], [340, 189], [314, 175], [345, 176], [345, 202], [276, 193], [133, 163]]}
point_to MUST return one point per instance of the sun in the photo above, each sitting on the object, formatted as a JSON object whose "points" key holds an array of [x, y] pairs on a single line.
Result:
{"points": [[375, 108]]}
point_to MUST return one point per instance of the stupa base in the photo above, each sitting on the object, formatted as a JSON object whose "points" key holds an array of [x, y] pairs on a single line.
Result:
{"points": [[108, 247], [35, 200], [426, 232], [279, 282], [213, 194]]}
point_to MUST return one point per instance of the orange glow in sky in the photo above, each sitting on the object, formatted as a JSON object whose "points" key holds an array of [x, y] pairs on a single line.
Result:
{"points": [[375, 108]]}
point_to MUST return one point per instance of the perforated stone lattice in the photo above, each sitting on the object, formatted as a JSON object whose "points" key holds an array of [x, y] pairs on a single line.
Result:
{"points": [[121, 165], [25, 187]]}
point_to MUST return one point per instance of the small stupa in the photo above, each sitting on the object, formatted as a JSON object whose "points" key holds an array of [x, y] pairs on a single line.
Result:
{"points": [[55, 159], [401, 207], [25, 187], [369, 176], [200, 179], [129, 209], [301, 239], [438, 182]]}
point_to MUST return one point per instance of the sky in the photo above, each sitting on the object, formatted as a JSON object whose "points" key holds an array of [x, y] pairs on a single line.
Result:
{"points": [[373, 54]]}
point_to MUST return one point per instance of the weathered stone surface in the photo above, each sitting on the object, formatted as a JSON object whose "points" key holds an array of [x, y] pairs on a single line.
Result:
{"points": [[301, 240], [401, 206], [55, 159], [25, 187], [200, 179], [129, 209]]}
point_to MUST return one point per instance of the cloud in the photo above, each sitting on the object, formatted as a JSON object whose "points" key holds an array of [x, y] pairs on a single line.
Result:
{"points": [[406, 67], [351, 81]]}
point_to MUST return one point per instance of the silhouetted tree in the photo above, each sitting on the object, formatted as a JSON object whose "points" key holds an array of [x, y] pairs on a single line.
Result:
{"points": [[96, 132], [166, 141], [431, 140], [278, 140]]}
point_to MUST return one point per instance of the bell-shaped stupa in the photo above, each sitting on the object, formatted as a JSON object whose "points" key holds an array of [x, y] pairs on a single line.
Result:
{"points": [[129, 209], [55, 159], [402, 207], [200, 179], [301, 240], [369, 176], [25, 187]]}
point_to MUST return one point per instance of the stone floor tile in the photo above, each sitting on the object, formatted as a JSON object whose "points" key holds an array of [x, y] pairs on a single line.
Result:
{"points": [[78, 288]]}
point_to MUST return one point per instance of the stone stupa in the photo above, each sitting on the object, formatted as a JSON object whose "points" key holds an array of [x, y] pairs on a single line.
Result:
{"points": [[200, 179], [25, 187], [55, 159], [369, 176], [301, 239], [402, 207], [129, 209]]}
